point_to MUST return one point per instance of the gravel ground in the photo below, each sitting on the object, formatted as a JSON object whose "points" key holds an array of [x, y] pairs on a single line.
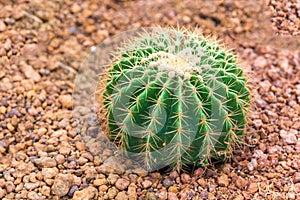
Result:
{"points": [[42, 156], [286, 16]]}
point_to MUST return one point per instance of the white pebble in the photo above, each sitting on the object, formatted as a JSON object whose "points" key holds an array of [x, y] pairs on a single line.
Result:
{"points": [[93, 48]]}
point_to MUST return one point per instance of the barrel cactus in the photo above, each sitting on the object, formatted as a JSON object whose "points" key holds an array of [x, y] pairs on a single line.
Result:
{"points": [[175, 98]]}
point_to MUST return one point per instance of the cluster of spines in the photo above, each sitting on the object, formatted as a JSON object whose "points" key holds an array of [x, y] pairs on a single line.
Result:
{"points": [[175, 120]]}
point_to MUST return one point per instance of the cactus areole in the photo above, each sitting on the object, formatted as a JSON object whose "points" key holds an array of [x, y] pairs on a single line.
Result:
{"points": [[175, 98]]}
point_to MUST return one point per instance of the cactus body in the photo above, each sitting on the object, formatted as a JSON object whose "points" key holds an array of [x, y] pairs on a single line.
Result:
{"points": [[175, 98]]}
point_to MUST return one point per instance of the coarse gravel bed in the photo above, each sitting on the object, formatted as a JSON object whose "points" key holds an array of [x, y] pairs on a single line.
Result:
{"points": [[42, 45]]}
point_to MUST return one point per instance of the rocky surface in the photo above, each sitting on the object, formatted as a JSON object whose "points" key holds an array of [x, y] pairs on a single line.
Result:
{"points": [[286, 16], [42, 156]]}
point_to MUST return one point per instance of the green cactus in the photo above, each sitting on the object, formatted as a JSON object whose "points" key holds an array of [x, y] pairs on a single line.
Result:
{"points": [[176, 98]]}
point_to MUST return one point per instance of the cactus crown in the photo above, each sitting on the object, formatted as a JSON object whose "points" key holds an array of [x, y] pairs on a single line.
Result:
{"points": [[175, 98]]}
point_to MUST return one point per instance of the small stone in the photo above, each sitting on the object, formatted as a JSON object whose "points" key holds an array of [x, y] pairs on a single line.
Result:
{"points": [[241, 182], [65, 148], [10, 127], [185, 178], [173, 175], [45, 162], [297, 187], [90, 28], [87, 193], [75, 8], [146, 184], [296, 178], [2, 193], [88, 156], [260, 62], [30, 73], [150, 196], [252, 188], [59, 133], [288, 137], [162, 194], [112, 178], [172, 196], [31, 186], [9, 186], [251, 165], [97, 161], [49, 181], [45, 190], [103, 188], [122, 183], [257, 123], [99, 182], [49, 172], [33, 195], [32, 112], [186, 19], [133, 178], [101, 35], [2, 109], [5, 85], [239, 197], [73, 189], [80, 146], [2, 26], [19, 187], [173, 189], [187, 193], [167, 182], [132, 191], [90, 174], [199, 172], [291, 195], [42, 131], [202, 182], [82, 160], [62, 184], [60, 159], [223, 180], [66, 101], [112, 193], [121, 196], [17, 13], [63, 123], [283, 63], [77, 180]]}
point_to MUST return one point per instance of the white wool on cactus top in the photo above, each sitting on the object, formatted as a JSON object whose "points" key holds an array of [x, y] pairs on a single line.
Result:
{"points": [[182, 63]]}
